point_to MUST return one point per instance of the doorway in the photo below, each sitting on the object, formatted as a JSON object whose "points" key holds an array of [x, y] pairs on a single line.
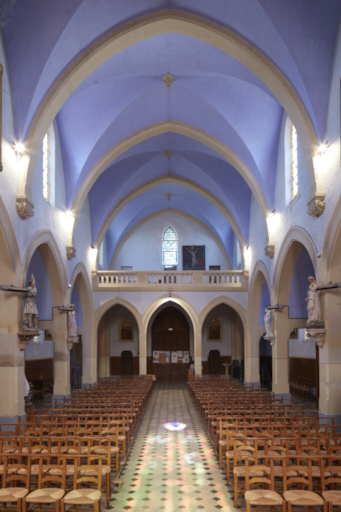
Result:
{"points": [[214, 362], [170, 346], [126, 362]]}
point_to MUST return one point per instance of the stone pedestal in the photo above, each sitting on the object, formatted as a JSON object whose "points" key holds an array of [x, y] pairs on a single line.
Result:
{"points": [[227, 367]]}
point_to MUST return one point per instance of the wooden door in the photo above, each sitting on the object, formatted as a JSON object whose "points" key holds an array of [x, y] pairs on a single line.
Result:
{"points": [[126, 362], [214, 362], [170, 332]]}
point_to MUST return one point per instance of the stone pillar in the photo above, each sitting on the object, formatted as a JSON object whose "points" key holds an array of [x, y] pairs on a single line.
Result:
{"points": [[103, 340], [280, 352], [12, 359], [251, 358], [61, 354], [237, 337], [330, 355], [197, 353], [143, 352]]}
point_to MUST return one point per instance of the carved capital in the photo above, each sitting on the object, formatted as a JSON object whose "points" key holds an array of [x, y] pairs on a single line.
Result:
{"points": [[316, 205], [24, 208], [94, 275], [70, 252], [25, 337], [70, 340], [319, 334], [269, 250]]}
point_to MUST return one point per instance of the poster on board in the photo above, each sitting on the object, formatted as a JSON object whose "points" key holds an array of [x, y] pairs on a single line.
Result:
{"points": [[156, 356], [174, 357]]}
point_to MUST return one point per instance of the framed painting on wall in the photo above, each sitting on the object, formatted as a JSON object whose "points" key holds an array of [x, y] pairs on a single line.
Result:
{"points": [[214, 331], [126, 331], [193, 257]]}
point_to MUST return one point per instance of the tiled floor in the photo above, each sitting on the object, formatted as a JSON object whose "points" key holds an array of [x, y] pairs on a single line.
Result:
{"points": [[169, 471]]}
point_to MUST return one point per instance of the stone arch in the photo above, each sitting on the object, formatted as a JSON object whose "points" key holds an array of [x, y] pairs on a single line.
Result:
{"points": [[152, 308], [178, 212], [11, 312], [81, 278], [44, 242], [188, 131], [103, 308], [259, 276], [288, 254], [153, 25]]}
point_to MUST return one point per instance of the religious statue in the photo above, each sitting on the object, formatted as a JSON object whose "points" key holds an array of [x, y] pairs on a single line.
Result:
{"points": [[31, 315], [313, 303], [267, 324], [72, 322]]}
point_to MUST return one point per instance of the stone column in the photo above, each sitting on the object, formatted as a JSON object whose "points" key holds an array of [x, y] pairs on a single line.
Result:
{"points": [[143, 352], [237, 337], [61, 354], [12, 359], [103, 337], [330, 354], [197, 353]]}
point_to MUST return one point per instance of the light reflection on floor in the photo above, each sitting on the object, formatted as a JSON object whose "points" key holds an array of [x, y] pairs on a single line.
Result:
{"points": [[171, 470]]}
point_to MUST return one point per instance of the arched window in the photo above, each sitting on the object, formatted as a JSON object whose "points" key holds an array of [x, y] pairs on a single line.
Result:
{"points": [[169, 247], [49, 165], [294, 176]]}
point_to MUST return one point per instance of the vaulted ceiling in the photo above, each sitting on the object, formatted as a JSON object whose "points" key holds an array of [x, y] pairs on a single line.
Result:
{"points": [[220, 120]]}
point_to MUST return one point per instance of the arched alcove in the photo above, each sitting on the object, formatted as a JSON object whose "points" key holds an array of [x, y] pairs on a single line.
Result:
{"points": [[222, 331], [43, 255], [117, 332], [296, 262]]}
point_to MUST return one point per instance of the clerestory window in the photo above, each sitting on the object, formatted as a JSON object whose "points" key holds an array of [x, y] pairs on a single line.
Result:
{"points": [[294, 173]]}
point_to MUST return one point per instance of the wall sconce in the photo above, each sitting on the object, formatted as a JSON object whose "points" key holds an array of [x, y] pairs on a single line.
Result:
{"points": [[18, 148], [247, 257], [69, 221]]}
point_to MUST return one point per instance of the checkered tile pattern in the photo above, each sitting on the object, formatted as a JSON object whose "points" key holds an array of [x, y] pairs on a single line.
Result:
{"points": [[169, 471]]}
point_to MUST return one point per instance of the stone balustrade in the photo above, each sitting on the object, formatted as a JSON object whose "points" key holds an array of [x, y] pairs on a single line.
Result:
{"points": [[227, 280]]}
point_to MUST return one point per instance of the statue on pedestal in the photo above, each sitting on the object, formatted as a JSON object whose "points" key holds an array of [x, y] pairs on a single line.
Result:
{"points": [[313, 304], [72, 327], [31, 315], [269, 335]]}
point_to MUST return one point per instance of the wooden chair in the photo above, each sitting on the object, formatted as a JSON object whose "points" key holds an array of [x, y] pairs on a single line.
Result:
{"points": [[46, 494], [266, 498], [300, 497], [9, 492], [87, 496], [331, 476]]}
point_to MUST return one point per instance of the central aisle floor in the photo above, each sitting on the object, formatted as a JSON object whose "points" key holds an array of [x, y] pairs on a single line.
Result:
{"points": [[168, 471]]}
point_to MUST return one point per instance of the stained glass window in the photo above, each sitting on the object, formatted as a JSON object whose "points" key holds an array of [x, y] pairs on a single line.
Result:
{"points": [[294, 177], [46, 168], [169, 247]]}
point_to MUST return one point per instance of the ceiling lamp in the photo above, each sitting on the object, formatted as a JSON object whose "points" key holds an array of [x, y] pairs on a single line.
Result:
{"points": [[168, 79]]}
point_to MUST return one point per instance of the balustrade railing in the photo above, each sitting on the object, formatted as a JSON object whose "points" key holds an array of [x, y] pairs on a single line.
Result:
{"points": [[224, 279]]}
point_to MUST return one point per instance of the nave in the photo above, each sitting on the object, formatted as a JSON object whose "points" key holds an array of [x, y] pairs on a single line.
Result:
{"points": [[172, 470]]}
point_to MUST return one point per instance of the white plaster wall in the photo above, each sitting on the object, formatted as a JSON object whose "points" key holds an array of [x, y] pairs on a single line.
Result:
{"points": [[119, 314], [143, 249], [301, 348], [223, 315], [41, 350]]}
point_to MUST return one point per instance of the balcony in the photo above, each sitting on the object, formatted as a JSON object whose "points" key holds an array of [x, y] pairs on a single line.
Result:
{"points": [[224, 280]]}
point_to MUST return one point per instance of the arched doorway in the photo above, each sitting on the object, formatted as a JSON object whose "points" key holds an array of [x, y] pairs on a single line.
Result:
{"points": [[170, 346], [214, 362]]}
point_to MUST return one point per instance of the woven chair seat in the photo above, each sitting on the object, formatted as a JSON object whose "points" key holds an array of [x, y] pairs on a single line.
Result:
{"points": [[278, 471], [94, 472], [34, 470], [82, 496], [10, 470], [222, 442], [263, 497], [303, 498], [69, 470], [13, 494], [240, 471], [104, 451], [45, 495], [333, 497]]}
